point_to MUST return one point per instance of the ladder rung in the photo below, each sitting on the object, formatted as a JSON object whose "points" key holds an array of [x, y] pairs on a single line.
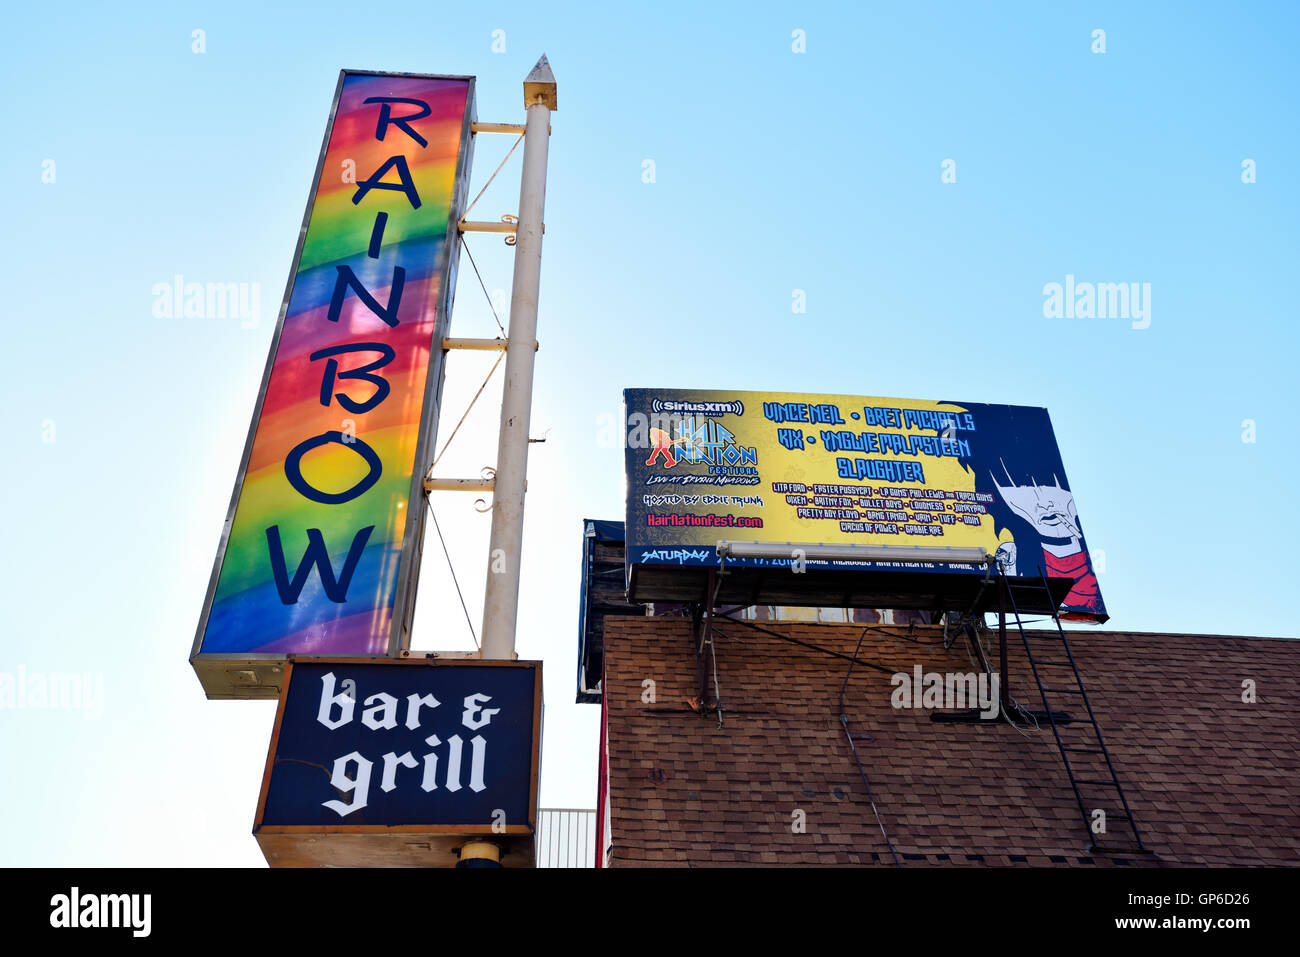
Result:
{"points": [[1060, 720], [1098, 849], [1063, 716], [1083, 720]]}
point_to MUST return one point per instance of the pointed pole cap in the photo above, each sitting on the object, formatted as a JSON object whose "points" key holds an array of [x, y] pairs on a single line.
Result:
{"points": [[539, 86]]}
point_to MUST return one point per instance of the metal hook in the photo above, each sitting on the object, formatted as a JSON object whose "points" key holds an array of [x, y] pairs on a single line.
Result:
{"points": [[480, 505]]}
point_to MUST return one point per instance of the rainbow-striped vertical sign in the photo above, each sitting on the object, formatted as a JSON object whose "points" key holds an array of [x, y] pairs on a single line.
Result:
{"points": [[321, 545]]}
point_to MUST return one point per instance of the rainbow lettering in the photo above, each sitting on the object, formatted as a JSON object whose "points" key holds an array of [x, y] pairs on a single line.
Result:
{"points": [[319, 529]]}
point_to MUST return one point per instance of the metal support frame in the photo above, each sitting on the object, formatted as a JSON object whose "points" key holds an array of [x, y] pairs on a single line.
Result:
{"points": [[480, 345], [501, 596], [1004, 685], [703, 647], [515, 128], [475, 345], [459, 484], [702, 637], [482, 226]]}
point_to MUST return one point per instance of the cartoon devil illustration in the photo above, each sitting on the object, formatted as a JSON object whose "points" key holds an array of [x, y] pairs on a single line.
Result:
{"points": [[1050, 510]]}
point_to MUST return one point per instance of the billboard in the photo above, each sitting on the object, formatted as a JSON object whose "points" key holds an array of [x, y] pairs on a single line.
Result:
{"points": [[321, 543], [710, 466], [411, 756], [600, 595]]}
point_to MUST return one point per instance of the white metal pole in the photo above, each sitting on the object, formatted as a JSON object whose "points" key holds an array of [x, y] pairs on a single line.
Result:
{"points": [[501, 597]]}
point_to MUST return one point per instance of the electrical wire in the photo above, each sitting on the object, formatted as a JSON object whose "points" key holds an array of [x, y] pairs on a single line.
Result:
{"points": [[972, 635], [452, 569], [905, 637], [492, 371], [844, 722], [805, 644], [500, 166], [445, 446], [482, 285], [853, 660]]}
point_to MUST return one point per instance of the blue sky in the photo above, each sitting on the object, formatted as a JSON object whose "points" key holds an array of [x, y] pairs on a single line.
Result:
{"points": [[774, 170]]}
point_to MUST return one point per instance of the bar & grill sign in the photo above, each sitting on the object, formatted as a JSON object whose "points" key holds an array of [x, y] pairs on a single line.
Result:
{"points": [[444, 748]]}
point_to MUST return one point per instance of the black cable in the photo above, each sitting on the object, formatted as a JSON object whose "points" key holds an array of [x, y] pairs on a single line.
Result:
{"points": [[844, 721], [805, 644], [451, 569], [853, 659], [908, 637], [491, 304]]}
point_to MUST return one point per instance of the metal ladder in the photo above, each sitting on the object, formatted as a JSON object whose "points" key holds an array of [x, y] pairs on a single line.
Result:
{"points": [[1053, 677]]}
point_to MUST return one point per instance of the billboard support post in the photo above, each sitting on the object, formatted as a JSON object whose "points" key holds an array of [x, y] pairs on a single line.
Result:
{"points": [[501, 596], [1002, 644]]}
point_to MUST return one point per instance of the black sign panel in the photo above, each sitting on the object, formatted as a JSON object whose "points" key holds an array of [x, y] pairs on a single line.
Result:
{"points": [[433, 744]]}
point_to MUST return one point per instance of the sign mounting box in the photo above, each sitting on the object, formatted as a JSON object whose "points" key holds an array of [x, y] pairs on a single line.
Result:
{"points": [[400, 763], [320, 551]]}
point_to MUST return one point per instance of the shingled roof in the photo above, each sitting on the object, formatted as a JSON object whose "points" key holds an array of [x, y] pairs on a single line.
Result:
{"points": [[1211, 779]]}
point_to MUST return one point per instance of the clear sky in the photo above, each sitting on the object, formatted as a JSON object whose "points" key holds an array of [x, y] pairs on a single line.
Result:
{"points": [[774, 171]]}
